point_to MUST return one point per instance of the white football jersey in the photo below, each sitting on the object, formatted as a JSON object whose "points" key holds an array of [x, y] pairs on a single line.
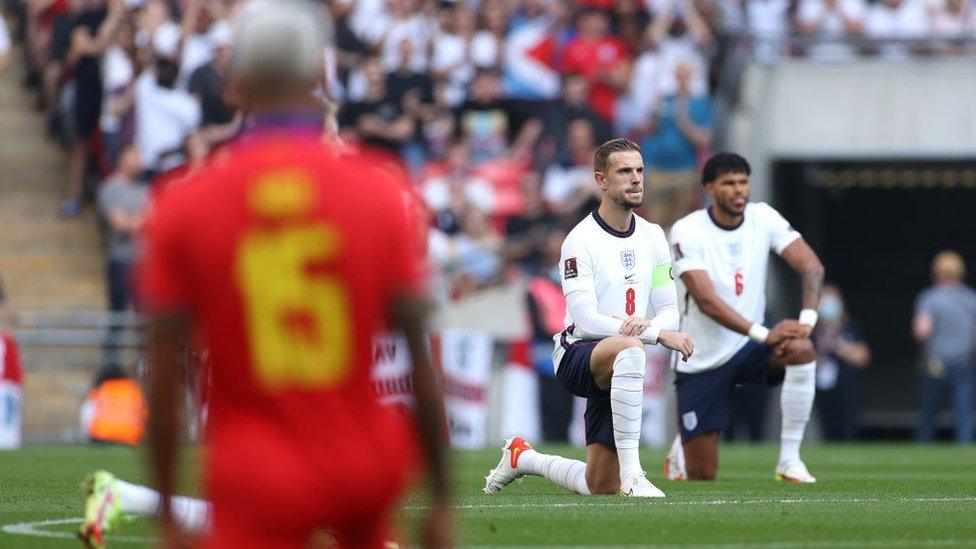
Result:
{"points": [[619, 268], [736, 261]]}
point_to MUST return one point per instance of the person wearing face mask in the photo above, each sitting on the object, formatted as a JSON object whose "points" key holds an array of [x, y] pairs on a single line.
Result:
{"points": [[841, 355]]}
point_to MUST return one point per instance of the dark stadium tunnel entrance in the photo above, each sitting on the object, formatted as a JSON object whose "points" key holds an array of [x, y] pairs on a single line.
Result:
{"points": [[877, 225]]}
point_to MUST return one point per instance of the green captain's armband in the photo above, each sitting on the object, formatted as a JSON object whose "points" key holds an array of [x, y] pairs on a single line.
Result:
{"points": [[663, 276]]}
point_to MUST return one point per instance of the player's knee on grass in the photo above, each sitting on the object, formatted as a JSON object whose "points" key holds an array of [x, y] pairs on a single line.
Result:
{"points": [[700, 471], [605, 353], [801, 351], [602, 483]]}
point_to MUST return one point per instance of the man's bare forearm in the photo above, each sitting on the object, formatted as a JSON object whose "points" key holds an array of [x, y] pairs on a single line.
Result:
{"points": [[410, 315], [813, 277], [166, 336]]}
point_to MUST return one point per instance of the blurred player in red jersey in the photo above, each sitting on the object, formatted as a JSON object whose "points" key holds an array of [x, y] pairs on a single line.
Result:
{"points": [[289, 260]]}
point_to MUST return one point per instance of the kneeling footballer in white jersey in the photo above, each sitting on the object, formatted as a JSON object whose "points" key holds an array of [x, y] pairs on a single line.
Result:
{"points": [[616, 274], [721, 257]]}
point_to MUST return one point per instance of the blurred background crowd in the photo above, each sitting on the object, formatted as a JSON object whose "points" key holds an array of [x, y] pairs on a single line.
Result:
{"points": [[493, 107]]}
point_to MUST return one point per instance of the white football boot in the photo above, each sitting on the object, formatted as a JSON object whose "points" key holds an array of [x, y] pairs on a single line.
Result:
{"points": [[794, 471], [674, 462], [638, 486], [507, 470]]}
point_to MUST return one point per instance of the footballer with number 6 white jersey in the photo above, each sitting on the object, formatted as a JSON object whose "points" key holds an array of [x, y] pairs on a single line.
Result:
{"points": [[736, 261], [721, 256]]}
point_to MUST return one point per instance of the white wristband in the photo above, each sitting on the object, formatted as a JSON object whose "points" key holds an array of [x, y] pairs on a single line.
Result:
{"points": [[758, 333], [808, 317]]}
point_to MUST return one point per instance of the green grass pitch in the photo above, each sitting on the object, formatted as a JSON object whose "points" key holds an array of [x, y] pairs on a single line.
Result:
{"points": [[868, 496]]}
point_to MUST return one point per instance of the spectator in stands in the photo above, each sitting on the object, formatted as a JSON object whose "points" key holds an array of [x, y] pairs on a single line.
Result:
{"points": [[123, 200], [841, 355], [201, 20], [834, 23], [118, 73], [405, 21], [91, 34], [475, 254], [599, 57], [114, 410], [438, 123], [527, 233], [11, 380], [488, 46], [568, 188], [377, 119], [769, 23], [454, 51], [450, 195], [954, 23], [5, 45], [895, 24], [677, 134], [494, 127], [630, 20], [208, 86], [945, 326], [414, 92], [573, 104], [547, 310], [681, 36], [165, 114]]}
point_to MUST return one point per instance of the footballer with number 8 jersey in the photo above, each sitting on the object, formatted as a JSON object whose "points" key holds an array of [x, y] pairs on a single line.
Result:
{"points": [[721, 255], [620, 296]]}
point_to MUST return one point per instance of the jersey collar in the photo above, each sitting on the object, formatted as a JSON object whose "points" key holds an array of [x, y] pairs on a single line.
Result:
{"points": [[296, 120], [619, 234], [724, 227]]}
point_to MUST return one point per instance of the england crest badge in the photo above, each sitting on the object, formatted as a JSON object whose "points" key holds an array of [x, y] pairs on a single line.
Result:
{"points": [[628, 258]]}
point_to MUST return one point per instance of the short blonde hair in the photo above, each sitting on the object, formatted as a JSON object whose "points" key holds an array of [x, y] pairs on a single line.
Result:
{"points": [[948, 265]]}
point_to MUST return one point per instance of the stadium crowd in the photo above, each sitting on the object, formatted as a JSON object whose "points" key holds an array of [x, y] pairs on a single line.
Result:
{"points": [[494, 106]]}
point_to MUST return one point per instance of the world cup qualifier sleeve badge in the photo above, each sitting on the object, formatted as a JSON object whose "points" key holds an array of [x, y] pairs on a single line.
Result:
{"points": [[569, 268], [628, 258]]}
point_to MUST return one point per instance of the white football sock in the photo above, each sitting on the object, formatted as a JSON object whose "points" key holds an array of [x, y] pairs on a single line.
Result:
{"points": [[190, 513], [568, 473], [627, 406], [796, 401], [136, 500]]}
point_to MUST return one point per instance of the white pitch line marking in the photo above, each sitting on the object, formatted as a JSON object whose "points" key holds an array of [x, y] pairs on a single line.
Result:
{"points": [[635, 504], [31, 529]]}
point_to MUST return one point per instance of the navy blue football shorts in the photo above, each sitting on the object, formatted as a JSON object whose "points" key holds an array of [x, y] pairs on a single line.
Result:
{"points": [[703, 398], [574, 374]]}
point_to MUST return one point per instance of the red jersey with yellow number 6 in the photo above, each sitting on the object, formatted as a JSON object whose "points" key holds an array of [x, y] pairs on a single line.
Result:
{"points": [[287, 257]]}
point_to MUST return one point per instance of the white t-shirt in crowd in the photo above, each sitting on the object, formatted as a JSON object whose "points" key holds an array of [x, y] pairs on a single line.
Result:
{"points": [[909, 20], [417, 30], [477, 191], [736, 261], [117, 72], [685, 50], [164, 118], [831, 23], [769, 22], [4, 37], [559, 182], [955, 25], [617, 268], [484, 50], [642, 93]]}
